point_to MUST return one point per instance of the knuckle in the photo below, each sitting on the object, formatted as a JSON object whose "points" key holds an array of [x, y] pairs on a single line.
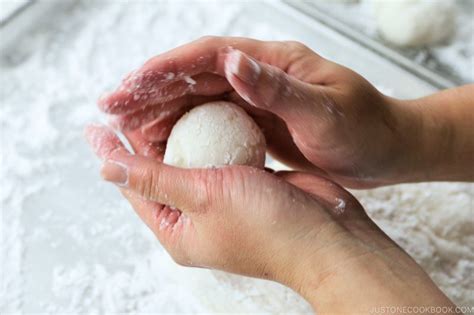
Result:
{"points": [[210, 183], [218, 186], [208, 39], [215, 183], [180, 260], [296, 46], [280, 86], [148, 186]]}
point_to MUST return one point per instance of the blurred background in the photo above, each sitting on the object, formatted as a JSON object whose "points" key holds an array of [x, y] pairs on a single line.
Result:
{"points": [[70, 244]]}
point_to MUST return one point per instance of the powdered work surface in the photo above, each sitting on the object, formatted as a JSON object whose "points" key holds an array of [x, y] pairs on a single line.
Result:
{"points": [[70, 244]]}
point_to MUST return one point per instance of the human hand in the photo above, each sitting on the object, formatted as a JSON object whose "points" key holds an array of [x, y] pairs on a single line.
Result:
{"points": [[295, 228], [315, 114], [219, 224]]}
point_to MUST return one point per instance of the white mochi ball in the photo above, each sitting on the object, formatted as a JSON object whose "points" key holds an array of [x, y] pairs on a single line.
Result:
{"points": [[215, 134], [415, 22]]}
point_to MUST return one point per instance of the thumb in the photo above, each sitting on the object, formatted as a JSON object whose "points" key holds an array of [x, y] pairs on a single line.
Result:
{"points": [[189, 190], [269, 88]]}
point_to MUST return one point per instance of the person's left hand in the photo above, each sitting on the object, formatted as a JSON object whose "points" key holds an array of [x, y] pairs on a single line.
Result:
{"points": [[316, 116]]}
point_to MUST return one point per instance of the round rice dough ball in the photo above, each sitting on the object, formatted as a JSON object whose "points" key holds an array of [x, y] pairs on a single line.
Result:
{"points": [[415, 23], [215, 134]]}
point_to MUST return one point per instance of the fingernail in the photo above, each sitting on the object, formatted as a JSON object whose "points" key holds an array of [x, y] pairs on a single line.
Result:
{"points": [[115, 172], [242, 66]]}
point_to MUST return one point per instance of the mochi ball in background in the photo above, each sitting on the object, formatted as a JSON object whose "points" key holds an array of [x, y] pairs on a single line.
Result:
{"points": [[415, 23], [215, 134]]}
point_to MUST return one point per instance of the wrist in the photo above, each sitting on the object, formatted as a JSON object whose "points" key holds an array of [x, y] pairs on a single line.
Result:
{"points": [[422, 146], [434, 140], [323, 276], [448, 133], [320, 264], [355, 279]]}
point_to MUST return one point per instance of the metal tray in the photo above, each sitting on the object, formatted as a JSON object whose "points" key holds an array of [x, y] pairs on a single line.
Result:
{"points": [[62, 228], [430, 69]]}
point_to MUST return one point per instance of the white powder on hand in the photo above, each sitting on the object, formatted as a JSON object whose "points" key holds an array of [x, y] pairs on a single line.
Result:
{"points": [[72, 244], [215, 134]]}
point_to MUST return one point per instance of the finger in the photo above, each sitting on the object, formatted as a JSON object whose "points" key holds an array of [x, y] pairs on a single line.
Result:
{"points": [[161, 219], [269, 88], [106, 144], [148, 211], [144, 147], [280, 144], [130, 99], [205, 55], [159, 111], [159, 130], [189, 190], [145, 115], [104, 141], [263, 85]]}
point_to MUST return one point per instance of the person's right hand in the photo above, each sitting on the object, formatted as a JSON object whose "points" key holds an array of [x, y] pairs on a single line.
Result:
{"points": [[295, 228], [315, 114]]}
